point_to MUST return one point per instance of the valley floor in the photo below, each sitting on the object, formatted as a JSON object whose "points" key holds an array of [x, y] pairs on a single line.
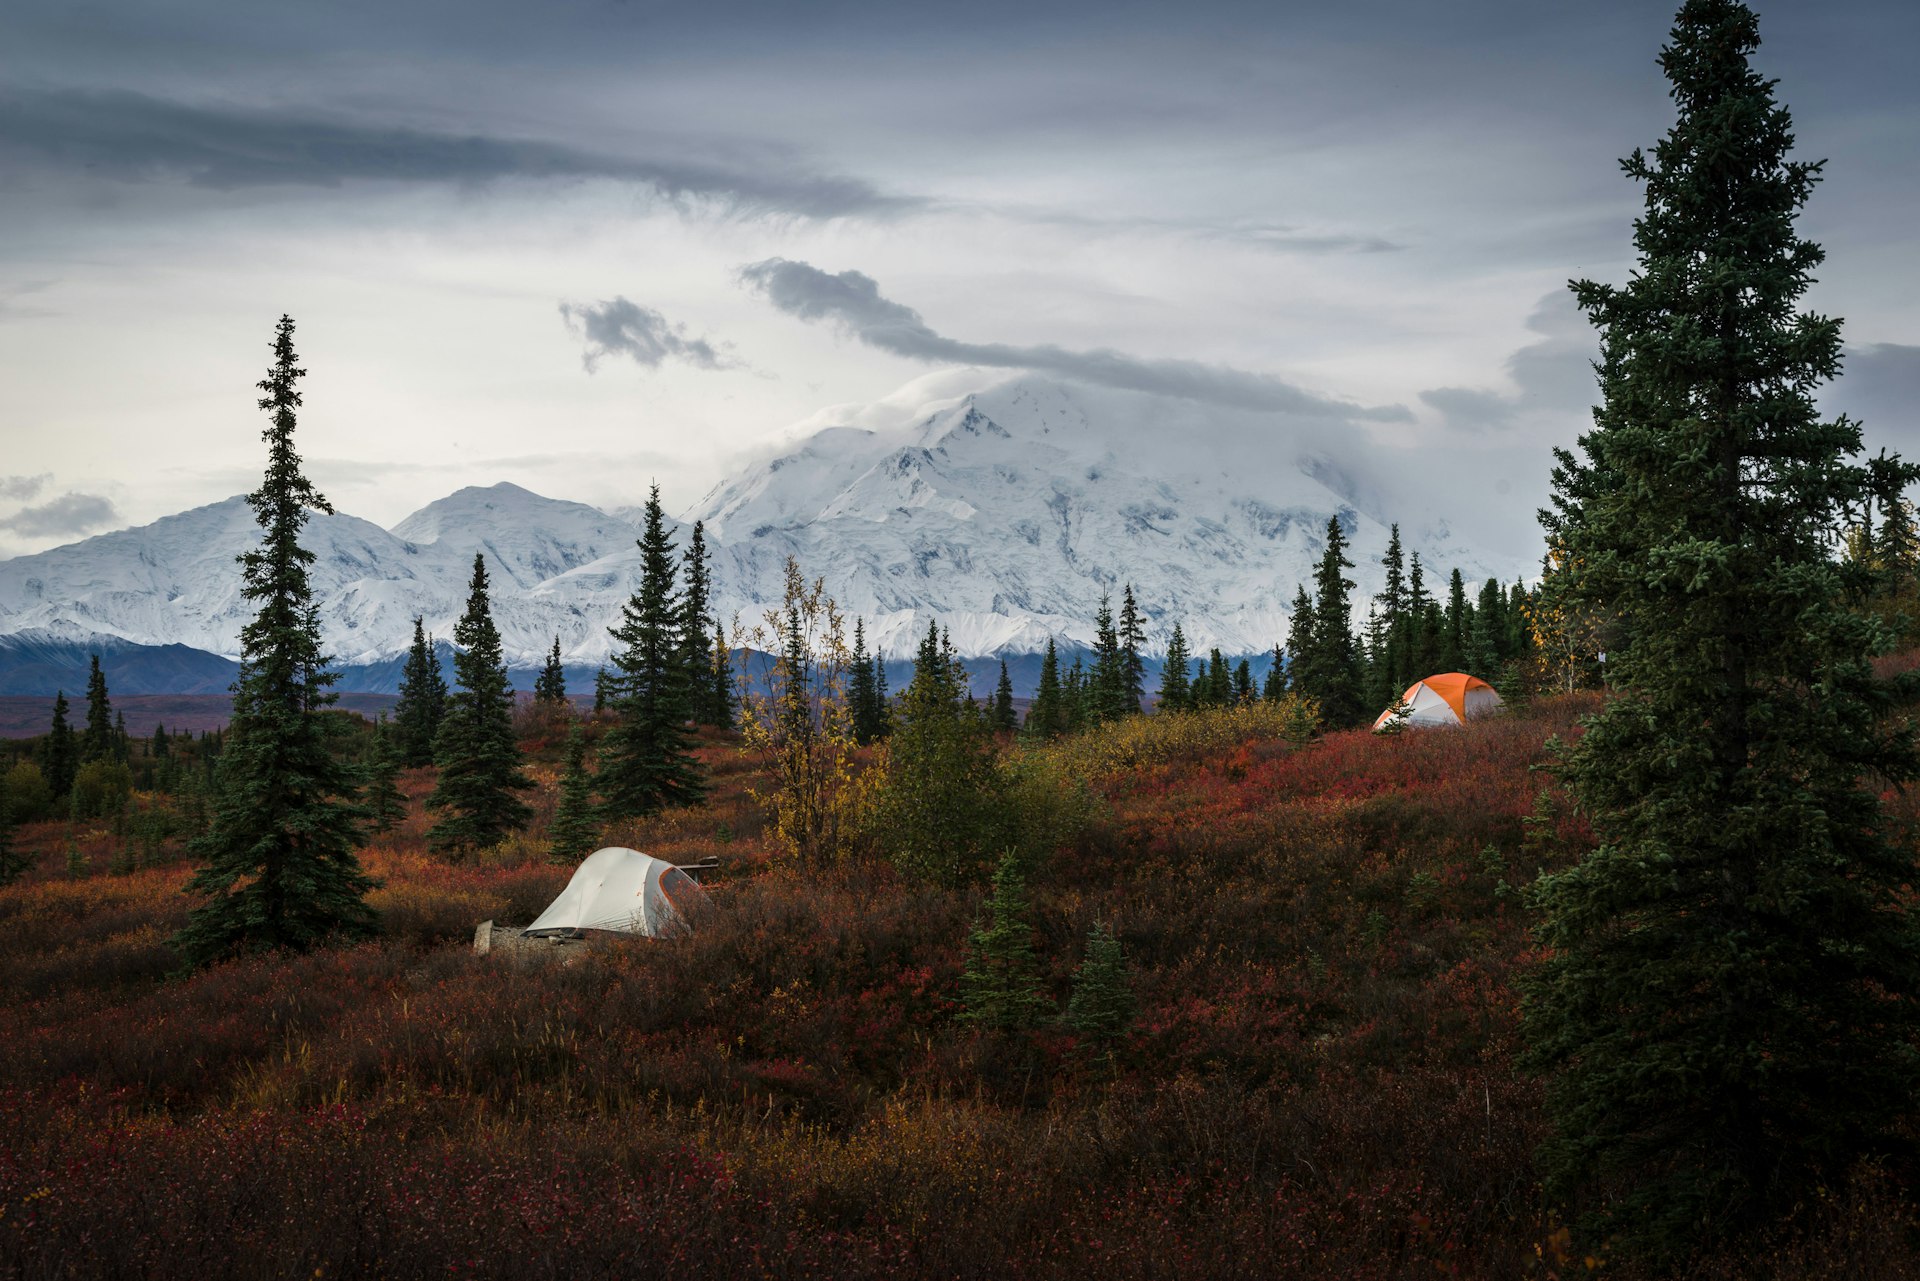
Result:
{"points": [[1321, 1081]]}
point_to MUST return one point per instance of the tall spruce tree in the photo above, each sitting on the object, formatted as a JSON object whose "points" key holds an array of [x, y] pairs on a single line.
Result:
{"points": [[1332, 669], [1133, 642], [278, 858], [646, 760], [550, 686], [697, 626], [1727, 1003], [59, 754], [1459, 625], [1108, 695], [720, 683], [1004, 718], [97, 742], [863, 691], [575, 831], [416, 717], [479, 759], [1274, 688], [1300, 630], [1047, 714], [1176, 688]]}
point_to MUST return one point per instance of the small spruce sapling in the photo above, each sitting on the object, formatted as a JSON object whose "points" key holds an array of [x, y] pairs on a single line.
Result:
{"points": [[1100, 1011], [1000, 987]]}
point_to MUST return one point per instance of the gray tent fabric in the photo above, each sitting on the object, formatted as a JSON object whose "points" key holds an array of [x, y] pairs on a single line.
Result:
{"points": [[623, 891]]}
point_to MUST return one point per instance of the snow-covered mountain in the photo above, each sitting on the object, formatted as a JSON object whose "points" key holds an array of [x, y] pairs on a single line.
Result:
{"points": [[1002, 506]]}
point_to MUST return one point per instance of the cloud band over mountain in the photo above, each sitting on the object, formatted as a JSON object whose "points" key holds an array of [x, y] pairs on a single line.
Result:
{"points": [[853, 301], [132, 136]]}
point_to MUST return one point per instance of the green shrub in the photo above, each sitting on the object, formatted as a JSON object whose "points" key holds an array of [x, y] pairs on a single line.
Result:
{"points": [[101, 788], [25, 793]]}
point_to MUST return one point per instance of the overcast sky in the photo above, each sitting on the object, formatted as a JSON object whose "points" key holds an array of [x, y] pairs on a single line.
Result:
{"points": [[583, 245]]}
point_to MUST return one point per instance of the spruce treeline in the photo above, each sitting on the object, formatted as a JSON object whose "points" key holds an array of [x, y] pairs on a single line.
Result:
{"points": [[479, 758], [1109, 690], [866, 690], [550, 686], [279, 866], [423, 701], [1726, 1005]]}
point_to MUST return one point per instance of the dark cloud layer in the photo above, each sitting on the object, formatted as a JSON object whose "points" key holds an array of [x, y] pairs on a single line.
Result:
{"points": [[852, 300], [20, 489], [619, 327], [67, 514], [133, 137]]}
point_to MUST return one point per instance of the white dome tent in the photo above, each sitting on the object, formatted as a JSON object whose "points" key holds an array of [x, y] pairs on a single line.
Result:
{"points": [[622, 891]]}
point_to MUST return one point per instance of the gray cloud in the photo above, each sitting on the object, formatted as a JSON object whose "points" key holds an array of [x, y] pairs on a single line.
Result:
{"points": [[852, 300], [619, 327], [20, 489], [133, 137], [1471, 408], [1552, 375], [67, 514], [1879, 386]]}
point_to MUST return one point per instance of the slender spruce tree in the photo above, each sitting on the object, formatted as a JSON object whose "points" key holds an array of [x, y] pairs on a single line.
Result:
{"points": [[479, 759], [1459, 625], [1109, 685], [697, 626], [59, 754], [1005, 719], [1727, 1004], [575, 831], [97, 743], [1133, 642], [1047, 714], [1176, 689], [720, 683], [278, 866], [646, 760], [1274, 687], [1300, 641], [863, 691], [1333, 671], [550, 686], [416, 717]]}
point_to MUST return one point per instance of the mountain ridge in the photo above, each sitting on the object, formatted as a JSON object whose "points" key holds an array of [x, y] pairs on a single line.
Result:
{"points": [[1001, 506]]}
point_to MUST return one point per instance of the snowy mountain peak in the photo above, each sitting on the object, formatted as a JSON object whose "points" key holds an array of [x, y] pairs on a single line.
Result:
{"points": [[1004, 506]]}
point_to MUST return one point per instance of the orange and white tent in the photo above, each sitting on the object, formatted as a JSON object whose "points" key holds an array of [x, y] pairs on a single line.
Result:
{"points": [[1451, 698]]}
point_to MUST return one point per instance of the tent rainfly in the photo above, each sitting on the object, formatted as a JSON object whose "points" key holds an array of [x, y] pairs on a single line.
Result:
{"points": [[1451, 698], [623, 891]]}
